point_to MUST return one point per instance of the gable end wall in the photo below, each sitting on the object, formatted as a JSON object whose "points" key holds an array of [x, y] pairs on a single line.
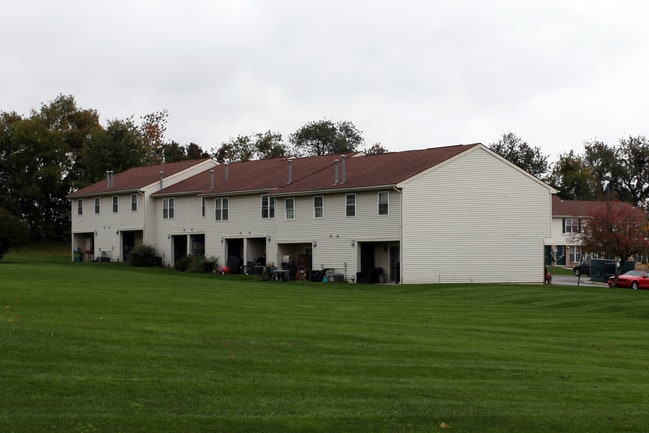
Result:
{"points": [[475, 219]]}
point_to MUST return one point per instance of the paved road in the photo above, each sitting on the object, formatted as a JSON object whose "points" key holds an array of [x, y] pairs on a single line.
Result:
{"points": [[571, 280]]}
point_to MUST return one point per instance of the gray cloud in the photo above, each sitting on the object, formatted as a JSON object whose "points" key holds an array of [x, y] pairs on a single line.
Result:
{"points": [[410, 74]]}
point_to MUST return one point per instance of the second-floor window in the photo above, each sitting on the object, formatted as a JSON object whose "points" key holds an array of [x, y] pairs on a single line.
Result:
{"points": [[133, 202], [80, 207], [203, 206], [383, 202], [168, 205], [97, 205], [350, 205], [318, 207], [571, 225], [267, 206], [222, 209], [115, 204], [289, 203]]}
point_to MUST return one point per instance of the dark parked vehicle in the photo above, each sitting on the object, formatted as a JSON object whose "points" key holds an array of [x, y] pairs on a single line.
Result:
{"points": [[582, 269]]}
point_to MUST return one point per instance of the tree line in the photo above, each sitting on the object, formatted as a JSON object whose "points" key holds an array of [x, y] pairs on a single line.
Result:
{"points": [[62, 147], [602, 171]]}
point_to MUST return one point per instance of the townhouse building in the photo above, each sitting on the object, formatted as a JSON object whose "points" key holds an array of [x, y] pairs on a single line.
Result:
{"points": [[111, 217], [449, 214]]}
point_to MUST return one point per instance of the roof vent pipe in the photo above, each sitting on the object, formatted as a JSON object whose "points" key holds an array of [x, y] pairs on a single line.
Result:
{"points": [[109, 180], [336, 172], [290, 171], [343, 177], [211, 180], [162, 175], [227, 171]]}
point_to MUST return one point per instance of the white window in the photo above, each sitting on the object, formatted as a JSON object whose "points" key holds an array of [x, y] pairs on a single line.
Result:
{"points": [[168, 205], [80, 206], [115, 204], [383, 200], [267, 206], [203, 207], [318, 207], [574, 253], [97, 205], [133, 202], [571, 225], [222, 209], [350, 205], [289, 203]]}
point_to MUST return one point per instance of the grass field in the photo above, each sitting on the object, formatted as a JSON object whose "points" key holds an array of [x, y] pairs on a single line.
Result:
{"points": [[110, 348]]}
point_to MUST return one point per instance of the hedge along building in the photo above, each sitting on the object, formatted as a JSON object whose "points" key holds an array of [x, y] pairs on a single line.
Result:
{"points": [[450, 214], [111, 217]]}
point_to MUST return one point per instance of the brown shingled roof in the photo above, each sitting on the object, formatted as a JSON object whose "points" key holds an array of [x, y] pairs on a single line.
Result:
{"points": [[258, 175], [579, 208], [375, 170], [136, 178]]}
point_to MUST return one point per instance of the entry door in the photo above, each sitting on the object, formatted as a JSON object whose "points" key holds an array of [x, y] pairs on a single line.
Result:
{"points": [[128, 243], [179, 246], [367, 257]]}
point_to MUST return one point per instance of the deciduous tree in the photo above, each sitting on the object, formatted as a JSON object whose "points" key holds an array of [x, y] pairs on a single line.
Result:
{"points": [[324, 137], [571, 175], [375, 149], [13, 232], [153, 128], [615, 229], [515, 150]]}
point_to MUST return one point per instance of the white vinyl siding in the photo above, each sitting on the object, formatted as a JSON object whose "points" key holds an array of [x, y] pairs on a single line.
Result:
{"points": [[486, 227], [335, 233]]}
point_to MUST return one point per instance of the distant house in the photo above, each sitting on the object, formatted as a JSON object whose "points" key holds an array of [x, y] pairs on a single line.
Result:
{"points": [[563, 247], [449, 214], [111, 217]]}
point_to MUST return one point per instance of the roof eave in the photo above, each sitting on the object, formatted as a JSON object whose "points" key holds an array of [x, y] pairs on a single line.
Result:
{"points": [[334, 190], [74, 195]]}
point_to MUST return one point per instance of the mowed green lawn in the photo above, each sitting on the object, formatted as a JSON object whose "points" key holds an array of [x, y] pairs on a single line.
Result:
{"points": [[111, 348]]}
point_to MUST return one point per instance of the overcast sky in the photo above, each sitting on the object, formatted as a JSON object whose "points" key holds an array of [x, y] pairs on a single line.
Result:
{"points": [[408, 74]]}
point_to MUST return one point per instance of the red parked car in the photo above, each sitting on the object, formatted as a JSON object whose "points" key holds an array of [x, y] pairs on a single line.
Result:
{"points": [[631, 279]]}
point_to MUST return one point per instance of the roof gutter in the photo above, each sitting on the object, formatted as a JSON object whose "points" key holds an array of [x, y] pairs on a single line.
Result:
{"points": [[244, 192], [73, 195], [333, 190]]}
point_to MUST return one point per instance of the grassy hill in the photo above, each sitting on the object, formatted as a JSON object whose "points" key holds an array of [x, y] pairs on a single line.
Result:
{"points": [[99, 347]]}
